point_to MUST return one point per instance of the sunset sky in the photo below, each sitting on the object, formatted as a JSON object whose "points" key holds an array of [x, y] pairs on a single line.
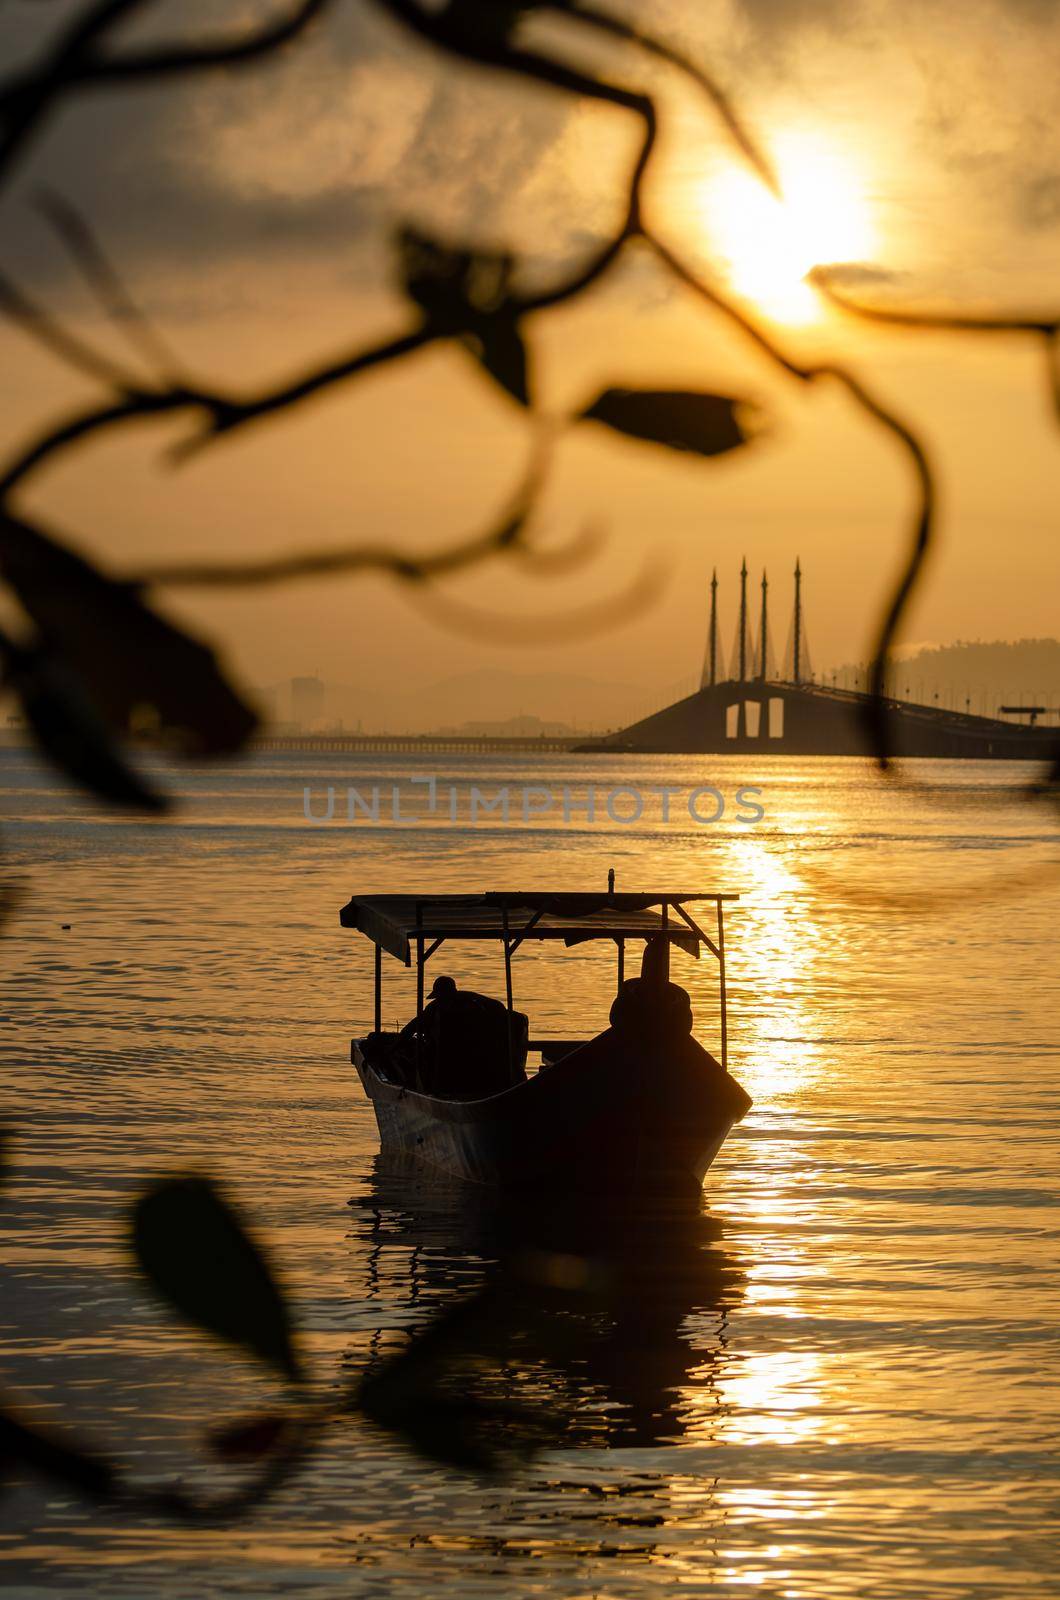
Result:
{"points": [[251, 215]]}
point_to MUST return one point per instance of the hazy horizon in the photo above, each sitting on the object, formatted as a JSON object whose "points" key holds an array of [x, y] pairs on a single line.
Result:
{"points": [[988, 672]]}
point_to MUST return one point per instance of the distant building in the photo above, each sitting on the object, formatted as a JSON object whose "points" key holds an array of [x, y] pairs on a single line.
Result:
{"points": [[307, 701]]}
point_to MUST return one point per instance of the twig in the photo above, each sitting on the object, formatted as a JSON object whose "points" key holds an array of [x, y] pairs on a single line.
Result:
{"points": [[595, 268], [595, 617], [50, 332], [106, 283], [924, 515], [505, 535], [720, 302], [79, 427], [223, 414], [938, 321], [178, 60], [76, 63], [922, 534], [748, 146]]}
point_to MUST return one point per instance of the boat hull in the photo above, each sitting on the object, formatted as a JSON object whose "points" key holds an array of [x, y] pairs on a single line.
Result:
{"points": [[610, 1117]]}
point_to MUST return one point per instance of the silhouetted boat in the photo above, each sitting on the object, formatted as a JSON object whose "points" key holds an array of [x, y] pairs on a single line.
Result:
{"points": [[624, 1111]]}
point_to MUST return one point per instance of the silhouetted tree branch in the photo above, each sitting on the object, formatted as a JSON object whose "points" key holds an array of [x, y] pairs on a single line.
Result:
{"points": [[1047, 329], [76, 62]]}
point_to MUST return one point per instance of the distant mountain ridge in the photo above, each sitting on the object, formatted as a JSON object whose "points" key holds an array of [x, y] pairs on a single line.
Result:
{"points": [[982, 674], [523, 727], [556, 702], [992, 672]]}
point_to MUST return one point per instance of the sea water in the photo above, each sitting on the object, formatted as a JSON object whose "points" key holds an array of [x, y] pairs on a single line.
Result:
{"points": [[839, 1376]]}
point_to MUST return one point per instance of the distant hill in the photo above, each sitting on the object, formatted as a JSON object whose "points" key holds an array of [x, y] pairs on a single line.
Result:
{"points": [[512, 728], [553, 701], [989, 673]]}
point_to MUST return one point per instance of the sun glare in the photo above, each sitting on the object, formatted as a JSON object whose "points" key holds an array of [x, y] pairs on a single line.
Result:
{"points": [[768, 245]]}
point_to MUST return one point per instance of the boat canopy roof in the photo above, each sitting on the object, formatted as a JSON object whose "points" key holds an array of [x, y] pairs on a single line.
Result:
{"points": [[396, 921]]}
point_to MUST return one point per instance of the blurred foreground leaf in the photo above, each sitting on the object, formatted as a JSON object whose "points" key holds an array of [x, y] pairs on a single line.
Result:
{"points": [[499, 347], [473, 1435], [488, 24], [196, 1252], [423, 1393], [10, 895], [73, 736], [54, 1457], [706, 424], [123, 653], [248, 1439], [467, 293]]}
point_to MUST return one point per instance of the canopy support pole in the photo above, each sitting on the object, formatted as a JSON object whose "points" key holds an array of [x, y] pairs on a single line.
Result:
{"points": [[721, 984], [508, 990], [523, 932], [419, 992], [621, 963], [378, 988], [697, 930]]}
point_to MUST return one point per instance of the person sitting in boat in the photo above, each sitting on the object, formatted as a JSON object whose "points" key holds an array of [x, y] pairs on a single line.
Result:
{"points": [[651, 1004], [463, 1043]]}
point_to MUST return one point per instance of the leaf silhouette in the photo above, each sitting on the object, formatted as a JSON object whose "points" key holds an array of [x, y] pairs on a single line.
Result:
{"points": [[10, 895], [421, 1393], [452, 283], [473, 1435], [196, 1252], [498, 345], [125, 655], [487, 25], [53, 1456], [248, 1439], [707, 424], [467, 293], [434, 275], [73, 735]]}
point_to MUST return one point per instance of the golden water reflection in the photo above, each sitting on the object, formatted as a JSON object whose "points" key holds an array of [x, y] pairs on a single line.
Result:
{"points": [[631, 1351], [615, 1321]]}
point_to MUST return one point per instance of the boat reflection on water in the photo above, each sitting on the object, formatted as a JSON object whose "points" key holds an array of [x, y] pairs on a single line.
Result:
{"points": [[606, 1324]]}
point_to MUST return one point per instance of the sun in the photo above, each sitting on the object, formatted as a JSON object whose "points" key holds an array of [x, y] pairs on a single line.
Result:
{"points": [[767, 244]]}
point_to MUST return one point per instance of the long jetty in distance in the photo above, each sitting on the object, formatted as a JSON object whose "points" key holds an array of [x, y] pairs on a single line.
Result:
{"points": [[340, 743]]}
